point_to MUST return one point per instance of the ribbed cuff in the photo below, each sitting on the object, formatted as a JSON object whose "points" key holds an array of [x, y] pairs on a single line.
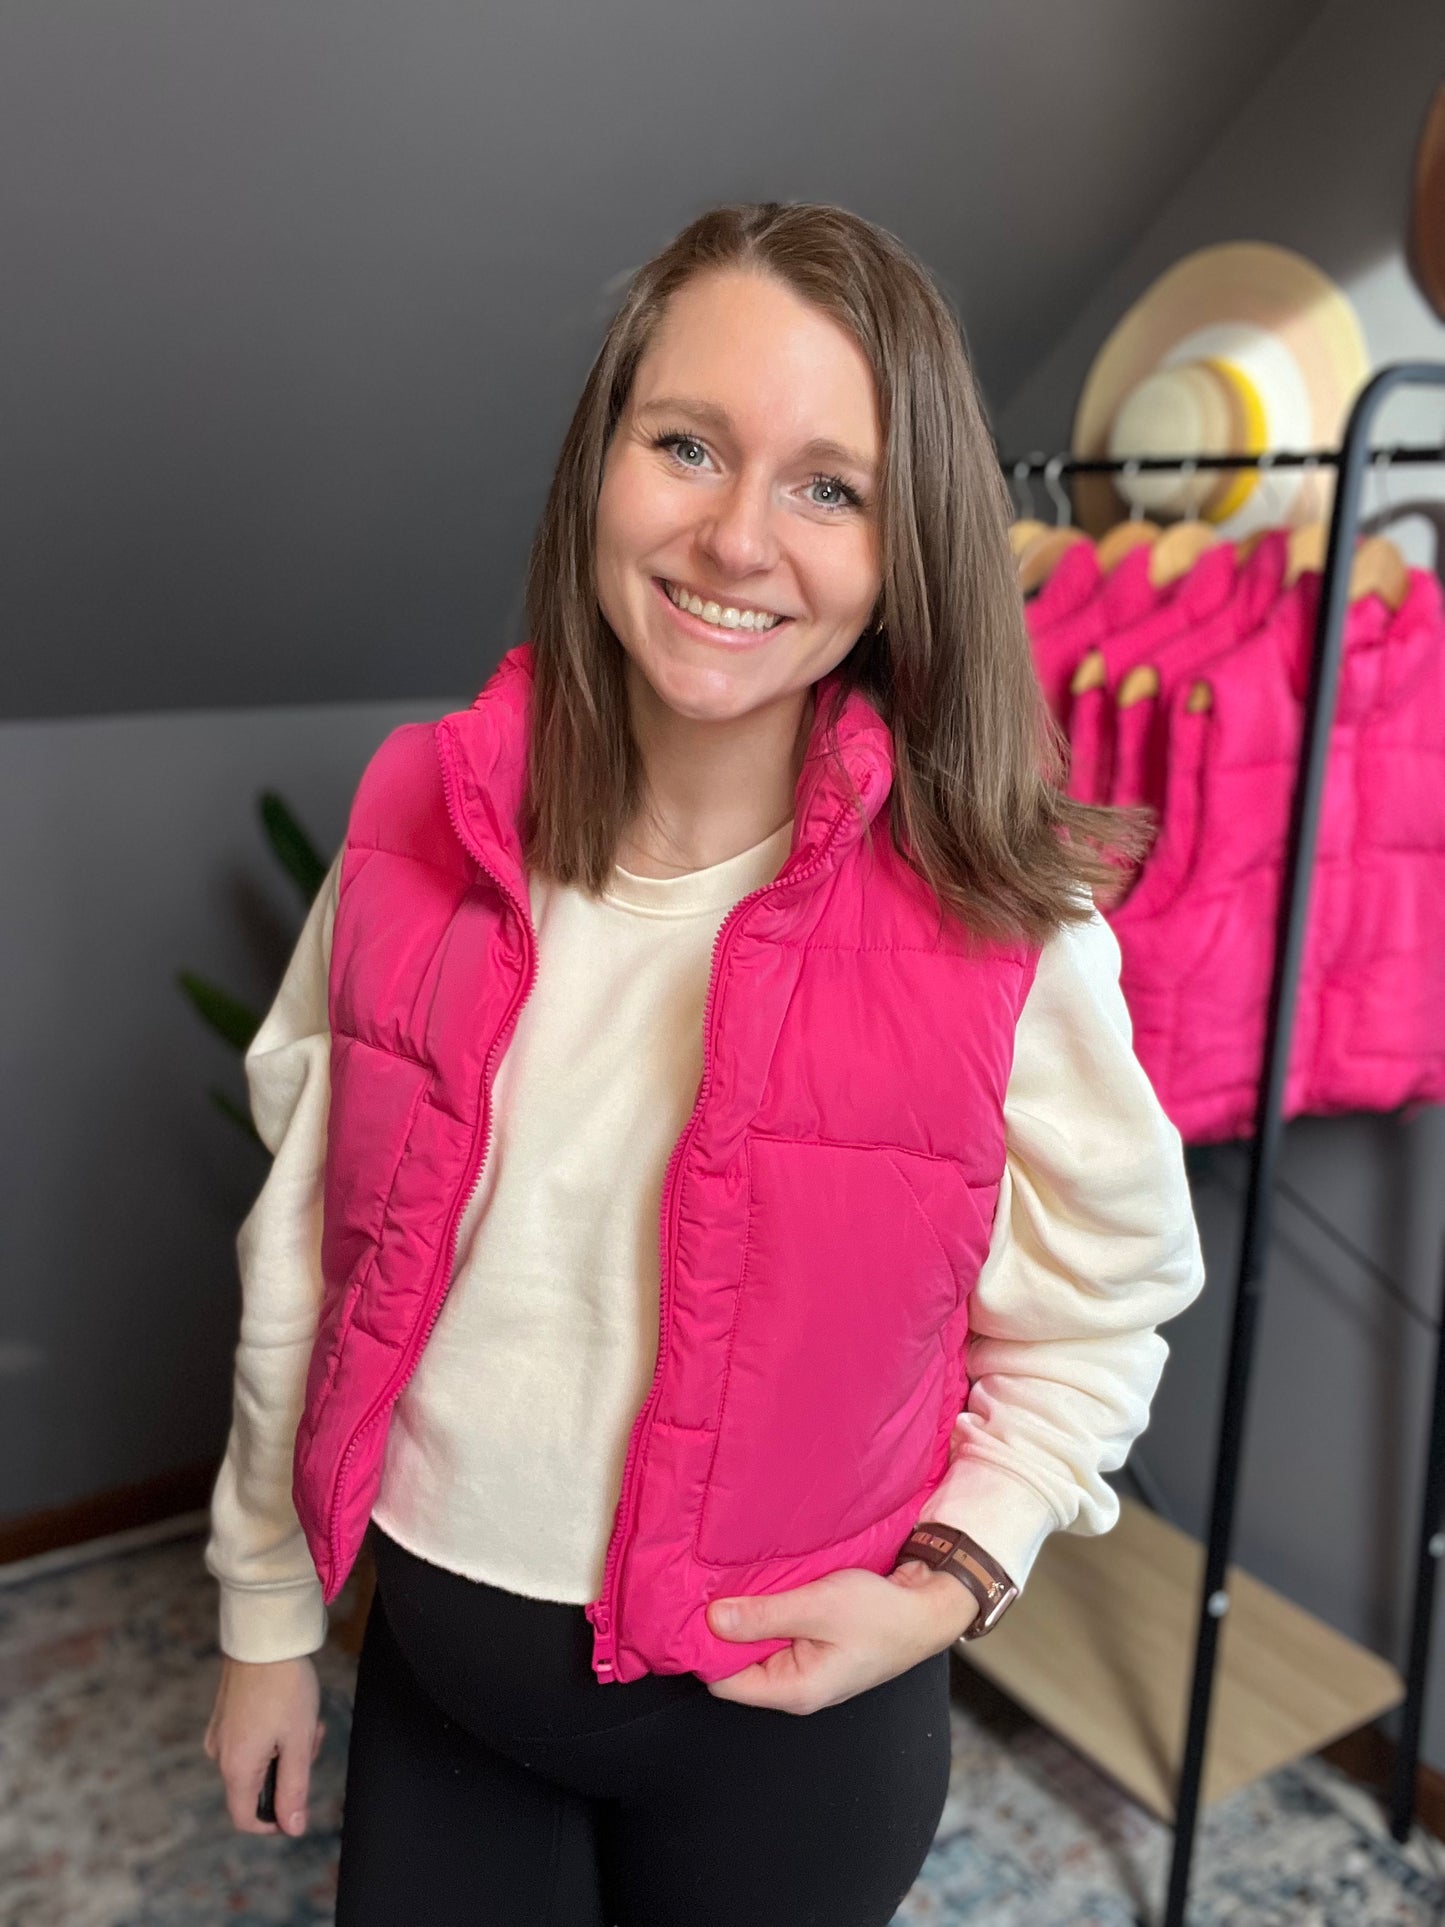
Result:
{"points": [[277, 1622], [1009, 1519]]}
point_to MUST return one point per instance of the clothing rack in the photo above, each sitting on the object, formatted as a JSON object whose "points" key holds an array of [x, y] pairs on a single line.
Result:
{"points": [[1283, 458], [1352, 459]]}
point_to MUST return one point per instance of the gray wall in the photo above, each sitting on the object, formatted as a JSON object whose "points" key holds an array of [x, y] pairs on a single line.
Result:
{"points": [[296, 305], [297, 300], [1318, 159], [134, 850]]}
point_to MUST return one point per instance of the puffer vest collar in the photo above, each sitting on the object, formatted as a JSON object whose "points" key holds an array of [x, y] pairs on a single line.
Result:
{"points": [[483, 754]]}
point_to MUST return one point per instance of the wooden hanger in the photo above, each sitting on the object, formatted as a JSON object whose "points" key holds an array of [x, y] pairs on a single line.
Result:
{"points": [[1123, 537], [1200, 698], [1040, 558], [1379, 569], [1178, 549], [1021, 534], [1139, 685], [1092, 673], [1307, 545]]}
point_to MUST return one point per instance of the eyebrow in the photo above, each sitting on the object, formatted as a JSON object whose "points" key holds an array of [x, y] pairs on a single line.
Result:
{"points": [[819, 449]]}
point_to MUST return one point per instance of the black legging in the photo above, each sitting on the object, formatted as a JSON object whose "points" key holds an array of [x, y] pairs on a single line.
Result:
{"points": [[493, 1779]]}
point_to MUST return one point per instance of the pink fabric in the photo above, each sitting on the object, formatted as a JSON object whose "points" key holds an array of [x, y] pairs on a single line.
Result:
{"points": [[1208, 605], [1136, 762], [1197, 932], [1378, 1037], [1208, 596], [1072, 581], [1060, 641], [825, 1212]]}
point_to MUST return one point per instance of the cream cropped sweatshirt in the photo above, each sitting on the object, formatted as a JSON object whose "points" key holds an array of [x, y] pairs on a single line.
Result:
{"points": [[523, 1398]]}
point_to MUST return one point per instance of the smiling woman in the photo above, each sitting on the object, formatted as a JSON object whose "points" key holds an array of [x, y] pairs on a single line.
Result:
{"points": [[730, 510], [782, 423], [711, 1077]]}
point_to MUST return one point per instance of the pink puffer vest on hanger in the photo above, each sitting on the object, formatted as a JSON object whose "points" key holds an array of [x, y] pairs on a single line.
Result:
{"points": [[1202, 595], [1197, 931], [1060, 643], [1375, 1031], [825, 1212]]}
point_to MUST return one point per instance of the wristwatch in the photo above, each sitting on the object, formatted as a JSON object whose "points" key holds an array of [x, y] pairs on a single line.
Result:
{"points": [[948, 1549]]}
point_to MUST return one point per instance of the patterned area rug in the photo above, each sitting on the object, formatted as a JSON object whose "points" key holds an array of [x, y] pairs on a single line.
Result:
{"points": [[113, 1815]]}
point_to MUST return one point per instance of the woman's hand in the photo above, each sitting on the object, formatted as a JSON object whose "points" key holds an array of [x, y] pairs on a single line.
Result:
{"points": [[850, 1630], [264, 1708]]}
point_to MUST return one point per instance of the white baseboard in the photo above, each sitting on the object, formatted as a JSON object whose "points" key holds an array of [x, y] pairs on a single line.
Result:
{"points": [[63, 1558]]}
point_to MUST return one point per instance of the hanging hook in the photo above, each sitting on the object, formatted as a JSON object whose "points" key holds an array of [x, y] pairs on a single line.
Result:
{"points": [[1053, 469], [1380, 565], [1021, 470], [1255, 505], [1188, 469], [1263, 464], [1310, 467], [1130, 473]]}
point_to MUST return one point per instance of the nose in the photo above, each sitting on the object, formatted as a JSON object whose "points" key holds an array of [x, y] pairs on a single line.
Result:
{"points": [[737, 534]]}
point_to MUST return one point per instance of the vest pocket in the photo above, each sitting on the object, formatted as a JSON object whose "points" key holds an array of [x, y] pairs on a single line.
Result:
{"points": [[836, 1368]]}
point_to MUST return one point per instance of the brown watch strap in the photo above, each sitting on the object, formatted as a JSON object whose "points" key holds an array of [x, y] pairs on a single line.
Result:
{"points": [[950, 1549]]}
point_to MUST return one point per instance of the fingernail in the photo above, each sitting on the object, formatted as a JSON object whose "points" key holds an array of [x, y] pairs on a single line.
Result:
{"points": [[726, 1618], [298, 1821]]}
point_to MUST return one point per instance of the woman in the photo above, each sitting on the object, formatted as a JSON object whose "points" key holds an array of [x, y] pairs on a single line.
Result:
{"points": [[689, 1174]]}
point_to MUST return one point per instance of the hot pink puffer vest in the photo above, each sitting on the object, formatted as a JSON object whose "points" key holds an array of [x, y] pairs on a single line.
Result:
{"points": [[1197, 932], [824, 1214]]}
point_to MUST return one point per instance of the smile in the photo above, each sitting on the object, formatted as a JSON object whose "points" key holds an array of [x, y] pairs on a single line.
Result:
{"points": [[720, 615]]}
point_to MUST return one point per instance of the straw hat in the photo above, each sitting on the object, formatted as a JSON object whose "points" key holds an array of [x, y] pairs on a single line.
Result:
{"points": [[1244, 346]]}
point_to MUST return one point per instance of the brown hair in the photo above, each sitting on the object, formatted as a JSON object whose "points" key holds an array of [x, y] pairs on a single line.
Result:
{"points": [[976, 806]]}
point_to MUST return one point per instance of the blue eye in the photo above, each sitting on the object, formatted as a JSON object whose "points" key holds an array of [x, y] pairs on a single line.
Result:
{"points": [[851, 497], [670, 441], [675, 438]]}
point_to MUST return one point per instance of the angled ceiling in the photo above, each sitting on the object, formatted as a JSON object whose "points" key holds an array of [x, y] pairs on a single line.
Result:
{"points": [[298, 299]]}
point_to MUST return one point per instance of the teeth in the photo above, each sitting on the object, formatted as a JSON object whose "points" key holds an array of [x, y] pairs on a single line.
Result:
{"points": [[722, 616]]}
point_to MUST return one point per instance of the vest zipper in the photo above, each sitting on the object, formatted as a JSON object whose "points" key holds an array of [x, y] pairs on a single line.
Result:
{"points": [[604, 1611], [398, 1379]]}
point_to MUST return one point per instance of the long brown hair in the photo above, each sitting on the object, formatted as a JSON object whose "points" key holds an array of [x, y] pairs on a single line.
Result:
{"points": [[976, 806]]}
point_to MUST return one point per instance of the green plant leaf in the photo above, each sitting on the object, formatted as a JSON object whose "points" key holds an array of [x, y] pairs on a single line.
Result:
{"points": [[296, 852], [225, 1014], [236, 1115]]}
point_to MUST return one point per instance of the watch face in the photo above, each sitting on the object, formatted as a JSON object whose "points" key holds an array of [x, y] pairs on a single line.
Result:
{"points": [[995, 1611]]}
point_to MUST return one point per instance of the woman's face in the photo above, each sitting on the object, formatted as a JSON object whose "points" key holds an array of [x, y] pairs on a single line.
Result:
{"points": [[743, 473]]}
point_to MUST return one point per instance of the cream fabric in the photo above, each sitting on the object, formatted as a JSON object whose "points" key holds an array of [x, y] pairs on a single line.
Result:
{"points": [[521, 1404]]}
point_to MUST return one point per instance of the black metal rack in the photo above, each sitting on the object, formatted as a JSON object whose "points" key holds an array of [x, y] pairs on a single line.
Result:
{"points": [[1352, 460]]}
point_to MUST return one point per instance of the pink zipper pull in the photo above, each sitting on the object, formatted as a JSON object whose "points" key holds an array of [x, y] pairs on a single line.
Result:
{"points": [[604, 1652]]}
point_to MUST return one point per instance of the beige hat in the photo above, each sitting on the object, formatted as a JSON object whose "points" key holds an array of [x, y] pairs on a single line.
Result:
{"points": [[1244, 346]]}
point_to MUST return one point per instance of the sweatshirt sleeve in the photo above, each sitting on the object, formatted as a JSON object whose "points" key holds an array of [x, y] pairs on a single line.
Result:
{"points": [[271, 1604], [1094, 1246]]}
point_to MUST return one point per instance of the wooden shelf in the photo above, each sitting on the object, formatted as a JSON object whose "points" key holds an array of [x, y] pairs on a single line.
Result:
{"points": [[1100, 1648]]}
